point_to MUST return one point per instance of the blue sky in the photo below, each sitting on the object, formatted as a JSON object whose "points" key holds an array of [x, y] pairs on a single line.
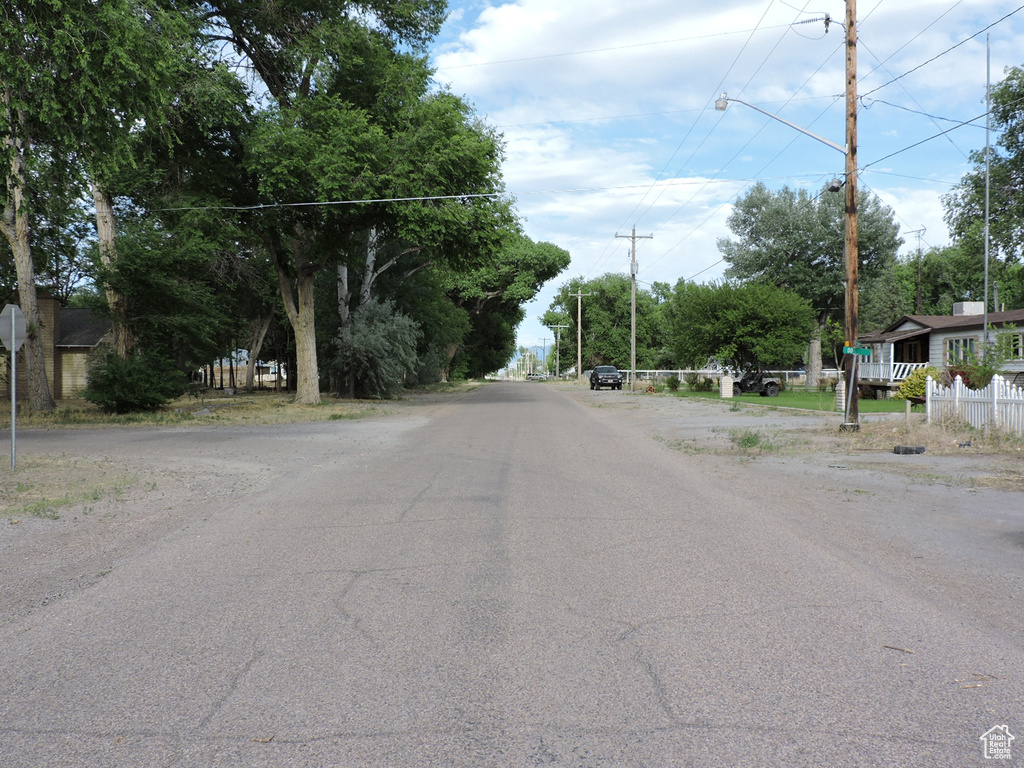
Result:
{"points": [[607, 109]]}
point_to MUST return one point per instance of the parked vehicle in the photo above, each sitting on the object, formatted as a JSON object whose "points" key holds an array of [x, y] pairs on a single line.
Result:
{"points": [[754, 380], [605, 376]]}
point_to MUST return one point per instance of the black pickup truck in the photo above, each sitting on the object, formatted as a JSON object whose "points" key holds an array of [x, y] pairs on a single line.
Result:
{"points": [[605, 376]]}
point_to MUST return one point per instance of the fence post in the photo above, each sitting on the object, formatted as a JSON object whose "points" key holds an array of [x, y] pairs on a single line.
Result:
{"points": [[929, 390], [997, 385], [957, 385]]}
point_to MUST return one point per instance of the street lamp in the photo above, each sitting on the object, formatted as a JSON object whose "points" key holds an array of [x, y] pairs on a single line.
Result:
{"points": [[850, 237], [722, 104]]}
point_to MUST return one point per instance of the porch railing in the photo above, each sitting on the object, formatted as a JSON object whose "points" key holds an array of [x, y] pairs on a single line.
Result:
{"points": [[887, 371]]}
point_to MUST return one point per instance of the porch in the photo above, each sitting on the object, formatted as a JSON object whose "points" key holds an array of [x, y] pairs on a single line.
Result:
{"points": [[886, 372]]}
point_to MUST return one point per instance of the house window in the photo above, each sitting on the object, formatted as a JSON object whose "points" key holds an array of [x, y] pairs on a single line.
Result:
{"points": [[958, 350], [1014, 345]]}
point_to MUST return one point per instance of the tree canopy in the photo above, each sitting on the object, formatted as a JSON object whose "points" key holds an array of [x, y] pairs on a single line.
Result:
{"points": [[738, 324], [213, 140]]}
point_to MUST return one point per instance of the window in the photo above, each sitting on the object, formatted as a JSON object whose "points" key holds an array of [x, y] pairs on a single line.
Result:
{"points": [[958, 350], [1014, 344]]}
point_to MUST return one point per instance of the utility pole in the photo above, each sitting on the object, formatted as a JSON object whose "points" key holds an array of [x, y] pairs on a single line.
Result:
{"points": [[919, 294], [579, 333], [852, 420], [544, 359], [558, 347], [632, 305]]}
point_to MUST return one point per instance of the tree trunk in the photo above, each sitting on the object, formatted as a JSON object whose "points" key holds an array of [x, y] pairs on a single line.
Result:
{"points": [[258, 328], [299, 308], [116, 302], [814, 355], [345, 387], [446, 369], [15, 228]]}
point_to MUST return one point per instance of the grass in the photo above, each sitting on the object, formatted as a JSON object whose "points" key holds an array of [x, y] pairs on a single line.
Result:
{"points": [[43, 485], [216, 408], [805, 400]]}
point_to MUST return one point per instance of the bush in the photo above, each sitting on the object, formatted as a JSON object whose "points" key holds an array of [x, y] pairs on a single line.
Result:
{"points": [[672, 382], [379, 349], [138, 382], [914, 385]]}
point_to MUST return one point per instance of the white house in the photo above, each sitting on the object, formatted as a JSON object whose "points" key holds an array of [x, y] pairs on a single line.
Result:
{"points": [[942, 341]]}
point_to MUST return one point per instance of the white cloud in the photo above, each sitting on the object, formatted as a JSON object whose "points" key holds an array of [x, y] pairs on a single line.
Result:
{"points": [[541, 71]]}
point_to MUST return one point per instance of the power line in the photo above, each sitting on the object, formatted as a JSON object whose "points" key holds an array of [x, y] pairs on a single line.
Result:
{"points": [[948, 50], [922, 141], [610, 49]]}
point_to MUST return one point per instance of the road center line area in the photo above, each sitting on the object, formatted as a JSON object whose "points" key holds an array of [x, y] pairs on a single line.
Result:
{"points": [[520, 576]]}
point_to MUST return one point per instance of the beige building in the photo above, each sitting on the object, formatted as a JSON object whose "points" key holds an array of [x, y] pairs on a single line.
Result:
{"points": [[70, 335]]}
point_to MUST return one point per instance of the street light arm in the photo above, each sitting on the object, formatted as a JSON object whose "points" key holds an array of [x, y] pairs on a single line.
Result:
{"points": [[722, 103]]}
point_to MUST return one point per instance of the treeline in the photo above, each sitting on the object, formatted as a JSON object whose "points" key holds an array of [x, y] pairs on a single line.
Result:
{"points": [[782, 300], [284, 178]]}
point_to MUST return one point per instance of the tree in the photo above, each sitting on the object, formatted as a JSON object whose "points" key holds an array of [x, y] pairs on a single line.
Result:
{"points": [[75, 79], [332, 68], [493, 295], [795, 241], [965, 204], [606, 321], [740, 324]]}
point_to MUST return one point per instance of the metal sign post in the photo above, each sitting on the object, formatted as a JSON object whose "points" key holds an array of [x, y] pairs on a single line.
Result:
{"points": [[13, 331]]}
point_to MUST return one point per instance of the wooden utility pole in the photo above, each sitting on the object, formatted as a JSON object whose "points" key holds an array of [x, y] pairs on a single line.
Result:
{"points": [[579, 333], [850, 330], [558, 346], [632, 305]]}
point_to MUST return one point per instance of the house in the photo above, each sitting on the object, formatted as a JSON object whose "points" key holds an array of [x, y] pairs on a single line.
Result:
{"points": [[70, 335], [941, 341]]}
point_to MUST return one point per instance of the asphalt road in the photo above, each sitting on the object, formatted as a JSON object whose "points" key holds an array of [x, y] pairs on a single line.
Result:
{"points": [[515, 578]]}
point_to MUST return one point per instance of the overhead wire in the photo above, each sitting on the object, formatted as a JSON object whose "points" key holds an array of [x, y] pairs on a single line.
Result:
{"points": [[945, 52], [609, 49], [603, 258]]}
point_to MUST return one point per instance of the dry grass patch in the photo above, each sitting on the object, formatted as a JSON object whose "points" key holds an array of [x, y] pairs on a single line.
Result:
{"points": [[43, 485], [937, 439]]}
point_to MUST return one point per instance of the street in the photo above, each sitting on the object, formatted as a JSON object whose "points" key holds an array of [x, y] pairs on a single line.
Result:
{"points": [[515, 577]]}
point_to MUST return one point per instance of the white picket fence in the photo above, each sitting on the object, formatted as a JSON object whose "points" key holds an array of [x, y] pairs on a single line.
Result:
{"points": [[1000, 405]]}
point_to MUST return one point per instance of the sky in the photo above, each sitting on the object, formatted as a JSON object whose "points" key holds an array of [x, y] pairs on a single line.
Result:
{"points": [[608, 115]]}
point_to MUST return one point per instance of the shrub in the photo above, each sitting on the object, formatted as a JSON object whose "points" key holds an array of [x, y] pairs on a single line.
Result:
{"points": [[706, 384], [138, 382], [672, 382], [378, 349], [914, 385]]}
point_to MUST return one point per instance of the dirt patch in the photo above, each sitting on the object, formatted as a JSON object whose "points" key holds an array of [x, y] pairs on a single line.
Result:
{"points": [[953, 454], [54, 485]]}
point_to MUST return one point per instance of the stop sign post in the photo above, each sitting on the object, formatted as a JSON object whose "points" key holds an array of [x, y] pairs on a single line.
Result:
{"points": [[13, 332]]}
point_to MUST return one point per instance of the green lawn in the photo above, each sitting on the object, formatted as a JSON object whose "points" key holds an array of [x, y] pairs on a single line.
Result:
{"points": [[810, 401]]}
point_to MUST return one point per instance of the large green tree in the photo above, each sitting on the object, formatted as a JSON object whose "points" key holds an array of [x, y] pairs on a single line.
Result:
{"points": [[494, 293], [738, 324], [350, 120], [794, 240], [607, 326], [76, 79], [965, 205]]}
